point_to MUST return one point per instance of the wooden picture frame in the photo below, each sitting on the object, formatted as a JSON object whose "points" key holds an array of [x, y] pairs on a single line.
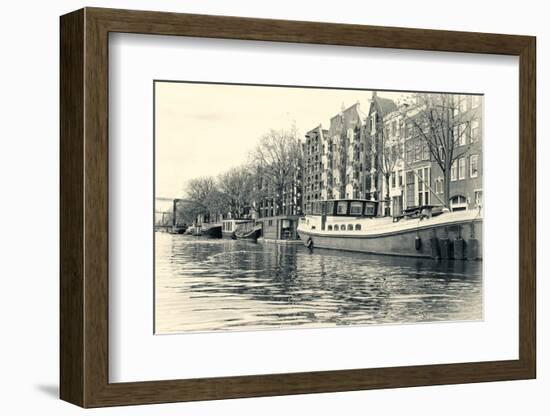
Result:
{"points": [[84, 207]]}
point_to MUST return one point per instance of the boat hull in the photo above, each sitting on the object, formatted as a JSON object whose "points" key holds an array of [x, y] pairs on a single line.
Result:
{"points": [[214, 231], [230, 235], [250, 235], [459, 240]]}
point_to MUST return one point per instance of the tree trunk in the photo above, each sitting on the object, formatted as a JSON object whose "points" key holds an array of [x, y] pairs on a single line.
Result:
{"points": [[279, 210], [387, 198], [447, 186]]}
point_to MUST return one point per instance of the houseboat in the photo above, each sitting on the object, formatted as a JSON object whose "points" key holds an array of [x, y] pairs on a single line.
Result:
{"points": [[424, 231], [212, 230], [230, 226], [282, 228], [249, 233]]}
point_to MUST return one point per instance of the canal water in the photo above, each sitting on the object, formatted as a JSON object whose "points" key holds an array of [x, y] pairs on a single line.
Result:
{"points": [[213, 285]]}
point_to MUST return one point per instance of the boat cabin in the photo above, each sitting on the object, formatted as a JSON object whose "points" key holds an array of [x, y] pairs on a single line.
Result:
{"points": [[345, 208]]}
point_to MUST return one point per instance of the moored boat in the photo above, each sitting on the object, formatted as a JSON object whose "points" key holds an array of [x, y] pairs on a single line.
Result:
{"points": [[426, 231], [249, 234], [178, 229], [230, 226], [209, 230]]}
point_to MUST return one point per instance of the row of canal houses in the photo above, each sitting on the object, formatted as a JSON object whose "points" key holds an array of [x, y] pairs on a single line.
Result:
{"points": [[343, 161]]}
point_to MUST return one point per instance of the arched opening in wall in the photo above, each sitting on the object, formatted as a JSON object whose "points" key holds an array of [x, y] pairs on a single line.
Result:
{"points": [[458, 203]]}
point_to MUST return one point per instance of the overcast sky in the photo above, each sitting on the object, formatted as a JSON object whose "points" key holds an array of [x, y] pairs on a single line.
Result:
{"points": [[206, 129]]}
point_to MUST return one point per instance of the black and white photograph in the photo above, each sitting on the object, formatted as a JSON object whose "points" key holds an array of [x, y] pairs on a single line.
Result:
{"points": [[281, 207], [275, 208]]}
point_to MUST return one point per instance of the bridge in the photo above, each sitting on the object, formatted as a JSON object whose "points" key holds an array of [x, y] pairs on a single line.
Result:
{"points": [[167, 220]]}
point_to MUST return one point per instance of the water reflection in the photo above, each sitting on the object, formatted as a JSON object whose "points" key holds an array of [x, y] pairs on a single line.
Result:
{"points": [[207, 285]]}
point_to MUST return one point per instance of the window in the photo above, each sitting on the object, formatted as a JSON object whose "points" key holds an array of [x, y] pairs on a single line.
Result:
{"points": [[419, 175], [400, 178], [426, 186], [369, 209], [439, 185], [461, 168], [393, 179], [425, 152], [463, 105], [330, 227], [409, 189], [350, 227], [336, 228], [423, 186], [342, 208], [461, 135], [357, 227], [478, 198], [474, 132], [458, 203], [454, 171], [418, 153], [356, 208], [270, 223], [474, 168]]}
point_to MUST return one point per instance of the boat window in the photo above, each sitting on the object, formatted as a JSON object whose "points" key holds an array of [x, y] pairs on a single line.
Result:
{"points": [[335, 228], [369, 209], [356, 208], [350, 227], [342, 207], [316, 208], [357, 227], [330, 227]]}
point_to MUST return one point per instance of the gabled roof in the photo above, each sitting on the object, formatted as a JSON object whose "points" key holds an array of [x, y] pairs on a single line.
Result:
{"points": [[385, 105], [348, 117]]}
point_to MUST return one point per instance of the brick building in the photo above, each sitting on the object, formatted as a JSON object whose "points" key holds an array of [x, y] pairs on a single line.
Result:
{"points": [[347, 160], [417, 178], [334, 159]]}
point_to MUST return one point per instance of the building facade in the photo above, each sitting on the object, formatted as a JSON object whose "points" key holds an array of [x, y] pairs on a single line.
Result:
{"points": [[417, 178], [381, 157], [334, 159]]}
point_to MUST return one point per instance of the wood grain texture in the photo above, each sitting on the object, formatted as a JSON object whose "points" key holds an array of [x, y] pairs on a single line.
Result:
{"points": [[71, 208], [84, 205]]}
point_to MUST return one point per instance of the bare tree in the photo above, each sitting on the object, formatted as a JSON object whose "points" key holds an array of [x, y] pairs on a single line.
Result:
{"points": [[197, 191], [436, 120], [217, 204], [277, 158], [387, 158], [237, 185], [187, 213]]}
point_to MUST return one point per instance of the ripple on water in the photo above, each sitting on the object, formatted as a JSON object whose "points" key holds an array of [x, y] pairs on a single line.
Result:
{"points": [[213, 285]]}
